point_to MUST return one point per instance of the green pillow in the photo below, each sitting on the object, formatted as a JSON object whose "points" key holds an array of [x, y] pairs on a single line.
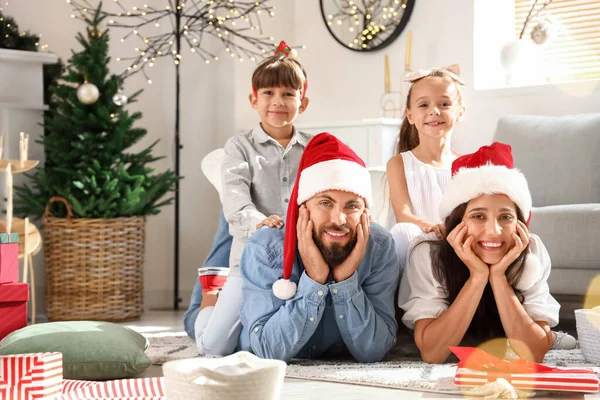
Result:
{"points": [[91, 350]]}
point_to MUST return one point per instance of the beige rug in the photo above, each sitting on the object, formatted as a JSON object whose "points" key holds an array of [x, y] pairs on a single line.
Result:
{"points": [[401, 369]]}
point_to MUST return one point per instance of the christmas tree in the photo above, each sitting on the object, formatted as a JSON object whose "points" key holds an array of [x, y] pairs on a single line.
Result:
{"points": [[87, 134]]}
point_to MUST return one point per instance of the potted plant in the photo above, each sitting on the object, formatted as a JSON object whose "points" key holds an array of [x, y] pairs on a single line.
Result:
{"points": [[94, 194]]}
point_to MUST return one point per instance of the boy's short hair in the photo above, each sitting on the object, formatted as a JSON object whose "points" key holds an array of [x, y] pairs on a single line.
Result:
{"points": [[277, 71]]}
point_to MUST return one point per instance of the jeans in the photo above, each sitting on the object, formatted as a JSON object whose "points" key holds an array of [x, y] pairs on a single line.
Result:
{"points": [[218, 257]]}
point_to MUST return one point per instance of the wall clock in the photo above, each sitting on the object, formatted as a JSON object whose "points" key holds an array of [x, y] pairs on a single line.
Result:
{"points": [[366, 25]]}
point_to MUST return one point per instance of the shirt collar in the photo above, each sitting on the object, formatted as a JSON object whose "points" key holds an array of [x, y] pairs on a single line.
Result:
{"points": [[260, 136]]}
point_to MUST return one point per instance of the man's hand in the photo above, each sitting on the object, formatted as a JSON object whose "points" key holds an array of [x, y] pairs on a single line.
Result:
{"points": [[520, 241], [273, 221], [464, 251], [350, 265], [316, 267]]}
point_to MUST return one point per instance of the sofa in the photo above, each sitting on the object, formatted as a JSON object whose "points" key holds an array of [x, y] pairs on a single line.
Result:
{"points": [[560, 156]]}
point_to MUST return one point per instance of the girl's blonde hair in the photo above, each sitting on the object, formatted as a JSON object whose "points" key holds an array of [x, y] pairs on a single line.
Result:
{"points": [[409, 136]]}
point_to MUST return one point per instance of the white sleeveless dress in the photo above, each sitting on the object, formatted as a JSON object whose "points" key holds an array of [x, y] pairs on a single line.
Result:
{"points": [[426, 185]]}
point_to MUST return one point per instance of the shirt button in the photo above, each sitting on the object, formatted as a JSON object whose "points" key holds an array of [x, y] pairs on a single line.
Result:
{"points": [[341, 316], [284, 179], [287, 200], [320, 293], [311, 319], [285, 157], [334, 291], [256, 329]]}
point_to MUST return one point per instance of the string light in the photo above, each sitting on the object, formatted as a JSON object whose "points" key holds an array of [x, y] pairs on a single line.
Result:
{"points": [[236, 24]]}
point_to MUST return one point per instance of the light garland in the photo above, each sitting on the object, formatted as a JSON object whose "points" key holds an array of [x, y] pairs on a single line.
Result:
{"points": [[235, 24]]}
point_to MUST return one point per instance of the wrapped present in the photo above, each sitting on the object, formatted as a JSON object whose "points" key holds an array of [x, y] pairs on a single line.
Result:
{"points": [[9, 257], [13, 307], [477, 368], [31, 376], [122, 389]]}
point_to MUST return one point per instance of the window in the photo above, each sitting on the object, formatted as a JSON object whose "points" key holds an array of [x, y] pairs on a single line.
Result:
{"points": [[573, 50]]}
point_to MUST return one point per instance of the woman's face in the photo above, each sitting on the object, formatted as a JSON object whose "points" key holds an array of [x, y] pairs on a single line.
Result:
{"points": [[491, 219]]}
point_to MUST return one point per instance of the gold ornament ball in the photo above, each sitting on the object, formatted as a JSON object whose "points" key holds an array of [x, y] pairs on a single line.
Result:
{"points": [[88, 93]]}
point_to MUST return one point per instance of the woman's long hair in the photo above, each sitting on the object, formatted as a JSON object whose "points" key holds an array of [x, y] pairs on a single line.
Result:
{"points": [[452, 273]]}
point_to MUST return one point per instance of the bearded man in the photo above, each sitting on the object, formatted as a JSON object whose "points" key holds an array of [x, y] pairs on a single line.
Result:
{"points": [[325, 287]]}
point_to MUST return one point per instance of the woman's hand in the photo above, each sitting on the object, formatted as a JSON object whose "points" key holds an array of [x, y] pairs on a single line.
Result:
{"points": [[520, 241], [463, 249]]}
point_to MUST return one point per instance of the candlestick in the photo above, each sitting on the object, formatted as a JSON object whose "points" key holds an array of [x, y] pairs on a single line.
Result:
{"points": [[386, 73], [408, 51]]}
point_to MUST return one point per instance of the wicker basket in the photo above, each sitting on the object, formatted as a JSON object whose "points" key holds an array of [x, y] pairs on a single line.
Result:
{"points": [[94, 266], [588, 333]]}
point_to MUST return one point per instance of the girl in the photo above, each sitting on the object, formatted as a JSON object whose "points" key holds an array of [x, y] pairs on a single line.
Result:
{"points": [[420, 171], [488, 277]]}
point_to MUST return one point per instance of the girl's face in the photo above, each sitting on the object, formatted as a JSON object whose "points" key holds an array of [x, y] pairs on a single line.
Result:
{"points": [[435, 106], [491, 219]]}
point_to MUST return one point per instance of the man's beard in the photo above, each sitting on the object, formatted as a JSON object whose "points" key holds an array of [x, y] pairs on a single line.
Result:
{"points": [[336, 254]]}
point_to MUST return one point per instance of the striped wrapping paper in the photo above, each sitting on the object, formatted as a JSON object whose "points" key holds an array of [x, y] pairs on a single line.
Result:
{"points": [[123, 389], [565, 380], [476, 368], [31, 376]]}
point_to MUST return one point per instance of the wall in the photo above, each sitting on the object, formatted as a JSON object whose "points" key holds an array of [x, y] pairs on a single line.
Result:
{"points": [[344, 85]]}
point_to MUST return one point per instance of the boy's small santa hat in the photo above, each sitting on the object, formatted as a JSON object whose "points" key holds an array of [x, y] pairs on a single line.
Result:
{"points": [[326, 164], [489, 170]]}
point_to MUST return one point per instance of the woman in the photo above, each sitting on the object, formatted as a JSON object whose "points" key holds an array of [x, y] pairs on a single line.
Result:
{"points": [[487, 278]]}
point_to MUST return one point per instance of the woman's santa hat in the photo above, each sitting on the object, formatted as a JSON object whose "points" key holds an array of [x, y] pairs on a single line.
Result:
{"points": [[489, 170], [326, 164]]}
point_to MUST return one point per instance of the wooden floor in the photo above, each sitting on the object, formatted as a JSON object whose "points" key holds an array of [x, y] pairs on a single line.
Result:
{"points": [[296, 389]]}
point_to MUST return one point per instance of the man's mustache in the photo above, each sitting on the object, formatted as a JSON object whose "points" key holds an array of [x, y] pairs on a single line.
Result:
{"points": [[341, 228]]}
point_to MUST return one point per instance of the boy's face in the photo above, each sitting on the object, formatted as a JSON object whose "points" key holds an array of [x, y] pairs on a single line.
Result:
{"points": [[278, 107]]}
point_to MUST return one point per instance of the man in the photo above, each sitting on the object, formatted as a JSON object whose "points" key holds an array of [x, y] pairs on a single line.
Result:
{"points": [[340, 272]]}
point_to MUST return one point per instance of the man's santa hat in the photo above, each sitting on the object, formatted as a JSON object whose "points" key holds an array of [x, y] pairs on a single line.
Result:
{"points": [[489, 170], [326, 164]]}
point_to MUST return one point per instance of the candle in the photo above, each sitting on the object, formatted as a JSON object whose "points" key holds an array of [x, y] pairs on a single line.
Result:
{"points": [[408, 51], [9, 205], [21, 147], [386, 74]]}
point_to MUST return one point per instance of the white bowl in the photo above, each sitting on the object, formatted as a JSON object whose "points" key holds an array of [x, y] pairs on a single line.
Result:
{"points": [[588, 333], [239, 376]]}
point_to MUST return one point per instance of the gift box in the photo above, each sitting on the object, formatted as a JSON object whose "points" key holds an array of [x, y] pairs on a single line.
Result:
{"points": [[477, 368], [122, 389], [31, 376], [13, 307], [9, 257]]}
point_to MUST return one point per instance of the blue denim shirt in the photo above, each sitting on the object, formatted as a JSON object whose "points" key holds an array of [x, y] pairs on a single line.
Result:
{"points": [[353, 317]]}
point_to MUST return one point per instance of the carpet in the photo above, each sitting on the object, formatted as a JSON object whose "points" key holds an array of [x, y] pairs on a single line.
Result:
{"points": [[401, 369]]}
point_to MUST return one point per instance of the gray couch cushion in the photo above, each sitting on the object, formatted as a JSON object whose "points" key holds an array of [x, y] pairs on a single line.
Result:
{"points": [[570, 233], [558, 155]]}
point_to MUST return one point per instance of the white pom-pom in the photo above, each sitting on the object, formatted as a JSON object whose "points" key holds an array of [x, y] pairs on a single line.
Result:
{"points": [[284, 289], [294, 53], [532, 272]]}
